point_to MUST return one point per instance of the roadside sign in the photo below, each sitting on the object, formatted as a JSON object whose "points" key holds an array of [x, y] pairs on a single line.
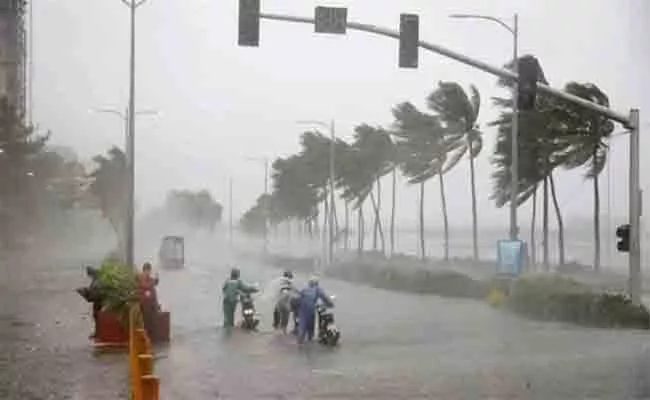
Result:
{"points": [[511, 257], [331, 20]]}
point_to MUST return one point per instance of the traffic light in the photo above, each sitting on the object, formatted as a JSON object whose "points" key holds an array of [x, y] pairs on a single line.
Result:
{"points": [[249, 23], [409, 37], [528, 71], [330, 20], [623, 234]]}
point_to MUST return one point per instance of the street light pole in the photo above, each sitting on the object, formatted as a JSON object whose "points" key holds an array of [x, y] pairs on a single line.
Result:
{"points": [[130, 148], [265, 205], [230, 211], [514, 139], [514, 167]]}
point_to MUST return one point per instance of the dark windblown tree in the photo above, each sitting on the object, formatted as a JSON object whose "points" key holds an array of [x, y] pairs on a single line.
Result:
{"points": [[554, 134], [108, 187], [459, 113], [20, 147], [420, 137]]}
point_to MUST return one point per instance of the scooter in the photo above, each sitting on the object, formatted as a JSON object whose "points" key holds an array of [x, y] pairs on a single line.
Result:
{"points": [[251, 318], [328, 333]]}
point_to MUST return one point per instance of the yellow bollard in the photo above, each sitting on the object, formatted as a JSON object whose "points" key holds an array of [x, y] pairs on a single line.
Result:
{"points": [[144, 385]]}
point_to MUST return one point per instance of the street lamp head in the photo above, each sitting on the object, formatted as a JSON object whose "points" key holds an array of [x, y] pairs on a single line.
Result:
{"points": [[461, 16]]}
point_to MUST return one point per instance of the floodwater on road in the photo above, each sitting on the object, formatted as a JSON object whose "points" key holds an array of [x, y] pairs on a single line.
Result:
{"points": [[394, 346]]}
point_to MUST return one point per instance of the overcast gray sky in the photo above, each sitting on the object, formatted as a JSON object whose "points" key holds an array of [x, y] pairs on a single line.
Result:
{"points": [[220, 103]]}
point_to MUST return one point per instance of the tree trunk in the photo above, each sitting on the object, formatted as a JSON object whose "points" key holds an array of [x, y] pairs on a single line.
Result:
{"points": [[360, 230], [445, 220], [392, 213], [376, 206], [545, 226], [325, 236], [288, 223], [378, 226], [310, 228], [533, 229], [422, 248], [472, 179], [560, 223], [596, 223], [347, 226]]}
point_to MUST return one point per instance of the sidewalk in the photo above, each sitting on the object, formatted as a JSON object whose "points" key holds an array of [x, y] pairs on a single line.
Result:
{"points": [[44, 348]]}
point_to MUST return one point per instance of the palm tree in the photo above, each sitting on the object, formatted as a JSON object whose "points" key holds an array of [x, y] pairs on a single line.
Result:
{"points": [[587, 145], [421, 140], [541, 149], [353, 180], [459, 113], [375, 148]]}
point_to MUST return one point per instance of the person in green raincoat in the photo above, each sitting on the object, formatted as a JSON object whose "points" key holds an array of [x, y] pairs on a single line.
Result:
{"points": [[232, 289]]}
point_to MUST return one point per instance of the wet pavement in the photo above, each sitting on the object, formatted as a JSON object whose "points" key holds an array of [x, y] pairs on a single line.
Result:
{"points": [[45, 353], [394, 346]]}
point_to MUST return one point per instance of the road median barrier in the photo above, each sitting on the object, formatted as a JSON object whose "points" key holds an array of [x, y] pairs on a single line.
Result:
{"points": [[145, 385]]}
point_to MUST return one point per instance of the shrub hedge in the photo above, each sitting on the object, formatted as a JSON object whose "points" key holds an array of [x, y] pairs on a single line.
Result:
{"points": [[542, 297]]}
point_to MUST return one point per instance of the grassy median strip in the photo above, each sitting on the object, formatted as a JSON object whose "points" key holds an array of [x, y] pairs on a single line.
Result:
{"points": [[547, 297]]}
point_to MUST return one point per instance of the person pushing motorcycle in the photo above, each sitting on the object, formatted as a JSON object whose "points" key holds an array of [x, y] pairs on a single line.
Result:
{"points": [[231, 290], [309, 297], [285, 294]]}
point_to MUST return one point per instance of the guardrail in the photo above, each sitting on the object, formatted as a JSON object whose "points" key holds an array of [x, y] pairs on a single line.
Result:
{"points": [[144, 384]]}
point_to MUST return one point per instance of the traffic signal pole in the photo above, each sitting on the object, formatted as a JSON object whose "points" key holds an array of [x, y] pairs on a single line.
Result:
{"points": [[630, 121], [635, 209]]}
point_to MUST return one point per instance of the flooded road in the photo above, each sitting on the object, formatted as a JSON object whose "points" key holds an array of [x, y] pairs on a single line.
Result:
{"points": [[394, 346]]}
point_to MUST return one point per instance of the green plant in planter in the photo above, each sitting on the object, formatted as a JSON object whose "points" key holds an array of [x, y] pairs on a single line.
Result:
{"points": [[118, 288]]}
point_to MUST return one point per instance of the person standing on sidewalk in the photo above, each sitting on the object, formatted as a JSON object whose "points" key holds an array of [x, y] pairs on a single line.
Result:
{"points": [[147, 283]]}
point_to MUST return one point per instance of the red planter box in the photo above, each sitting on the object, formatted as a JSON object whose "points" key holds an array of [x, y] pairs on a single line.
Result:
{"points": [[163, 326], [110, 330]]}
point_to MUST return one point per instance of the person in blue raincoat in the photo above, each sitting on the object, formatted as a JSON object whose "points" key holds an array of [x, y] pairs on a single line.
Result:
{"points": [[309, 297]]}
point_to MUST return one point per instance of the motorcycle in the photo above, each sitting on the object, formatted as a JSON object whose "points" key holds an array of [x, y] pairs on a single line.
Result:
{"points": [[328, 333], [251, 317]]}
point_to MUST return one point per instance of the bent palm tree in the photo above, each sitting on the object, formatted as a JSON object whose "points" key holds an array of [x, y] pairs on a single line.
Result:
{"points": [[420, 137], [459, 113]]}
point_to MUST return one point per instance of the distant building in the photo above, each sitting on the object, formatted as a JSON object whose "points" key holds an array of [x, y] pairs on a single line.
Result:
{"points": [[13, 52]]}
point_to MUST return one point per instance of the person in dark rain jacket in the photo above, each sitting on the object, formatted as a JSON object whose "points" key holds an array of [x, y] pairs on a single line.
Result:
{"points": [[231, 291]]}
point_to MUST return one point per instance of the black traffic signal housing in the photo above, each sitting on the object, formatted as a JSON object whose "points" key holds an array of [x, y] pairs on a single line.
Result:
{"points": [[528, 71], [249, 23], [409, 39], [623, 234]]}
